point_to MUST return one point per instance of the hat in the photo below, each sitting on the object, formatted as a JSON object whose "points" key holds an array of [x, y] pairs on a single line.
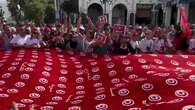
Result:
{"points": [[139, 27], [82, 27]]}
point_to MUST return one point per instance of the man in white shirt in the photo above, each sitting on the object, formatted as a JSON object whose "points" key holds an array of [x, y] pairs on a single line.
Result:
{"points": [[146, 43], [20, 39]]}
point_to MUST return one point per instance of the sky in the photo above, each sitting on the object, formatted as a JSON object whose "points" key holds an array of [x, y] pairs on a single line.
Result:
{"points": [[3, 3]]}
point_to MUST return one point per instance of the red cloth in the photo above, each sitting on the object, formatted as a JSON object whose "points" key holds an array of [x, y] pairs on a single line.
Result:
{"points": [[53, 79]]}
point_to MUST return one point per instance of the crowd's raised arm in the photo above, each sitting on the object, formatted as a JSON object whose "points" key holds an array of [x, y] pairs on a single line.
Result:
{"points": [[100, 38]]}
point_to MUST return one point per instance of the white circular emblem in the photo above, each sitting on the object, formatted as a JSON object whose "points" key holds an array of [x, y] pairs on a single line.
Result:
{"points": [[135, 108], [175, 63], [63, 79], [28, 69], [27, 101], [74, 108], [57, 98], [129, 69], [64, 66], [110, 65], [40, 88], [34, 95], [12, 68], [15, 63], [80, 80], [4, 95], [33, 60], [142, 61], [43, 81], [61, 86], [100, 97], [158, 61], [101, 106], [112, 73], [171, 82], [79, 72], [123, 92], [146, 67], [80, 87], [25, 76], [95, 69], [126, 62], [191, 64], [46, 108], [18, 59], [96, 77], [46, 74], [47, 68], [48, 63], [31, 64], [80, 92], [79, 66], [60, 92], [97, 85], [128, 102], [93, 63], [115, 80], [12, 91], [63, 71], [192, 78], [20, 84], [147, 87], [154, 98], [169, 56], [52, 103], [6, 75], [189, 107], [20, 105], [184, 56], [181, 93], [133, 76]]}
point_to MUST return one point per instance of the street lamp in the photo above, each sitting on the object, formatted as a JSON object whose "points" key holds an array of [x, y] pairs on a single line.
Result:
{"points": [[104, 2]]}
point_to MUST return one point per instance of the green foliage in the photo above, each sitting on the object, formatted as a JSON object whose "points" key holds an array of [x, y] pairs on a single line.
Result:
{"points": [[37, 11], [49, 14], [16, 13], [34, 11]]}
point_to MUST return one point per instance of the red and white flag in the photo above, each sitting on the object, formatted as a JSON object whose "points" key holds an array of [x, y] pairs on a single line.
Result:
{"points": [[103, 19], [126, 30], [79, 24], [184, 22]]}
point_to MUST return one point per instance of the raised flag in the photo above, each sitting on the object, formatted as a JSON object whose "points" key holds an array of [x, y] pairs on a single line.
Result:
{"points": [[79, 24], [184, 22], [126, 30], [103, 19]]}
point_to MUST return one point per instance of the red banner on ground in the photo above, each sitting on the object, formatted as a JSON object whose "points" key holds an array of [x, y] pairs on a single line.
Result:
{"points": [[53, 79]]}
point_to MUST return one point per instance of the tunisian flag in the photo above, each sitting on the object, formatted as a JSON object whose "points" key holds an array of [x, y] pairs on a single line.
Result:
{"points": [[184, 22], [54, 79]]}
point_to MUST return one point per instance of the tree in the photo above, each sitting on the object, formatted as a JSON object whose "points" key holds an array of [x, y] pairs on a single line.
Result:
{"points": [[34, 11], [50, 14], [16, 8]]}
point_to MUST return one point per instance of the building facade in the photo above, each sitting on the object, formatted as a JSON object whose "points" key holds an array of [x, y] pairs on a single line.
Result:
{"points": [[127, 11], [130, 12]]}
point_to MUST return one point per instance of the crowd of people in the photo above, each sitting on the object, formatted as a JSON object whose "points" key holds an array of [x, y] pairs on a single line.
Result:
{"points": [[98, 38]]}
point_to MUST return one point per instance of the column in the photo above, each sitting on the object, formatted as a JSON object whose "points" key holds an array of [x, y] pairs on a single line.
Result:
{"points": [[128, 18], [110, 17]]}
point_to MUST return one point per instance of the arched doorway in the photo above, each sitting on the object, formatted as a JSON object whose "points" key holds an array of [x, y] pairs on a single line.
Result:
{"points": [[119, 12], [94, 11], [160, 17]]}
